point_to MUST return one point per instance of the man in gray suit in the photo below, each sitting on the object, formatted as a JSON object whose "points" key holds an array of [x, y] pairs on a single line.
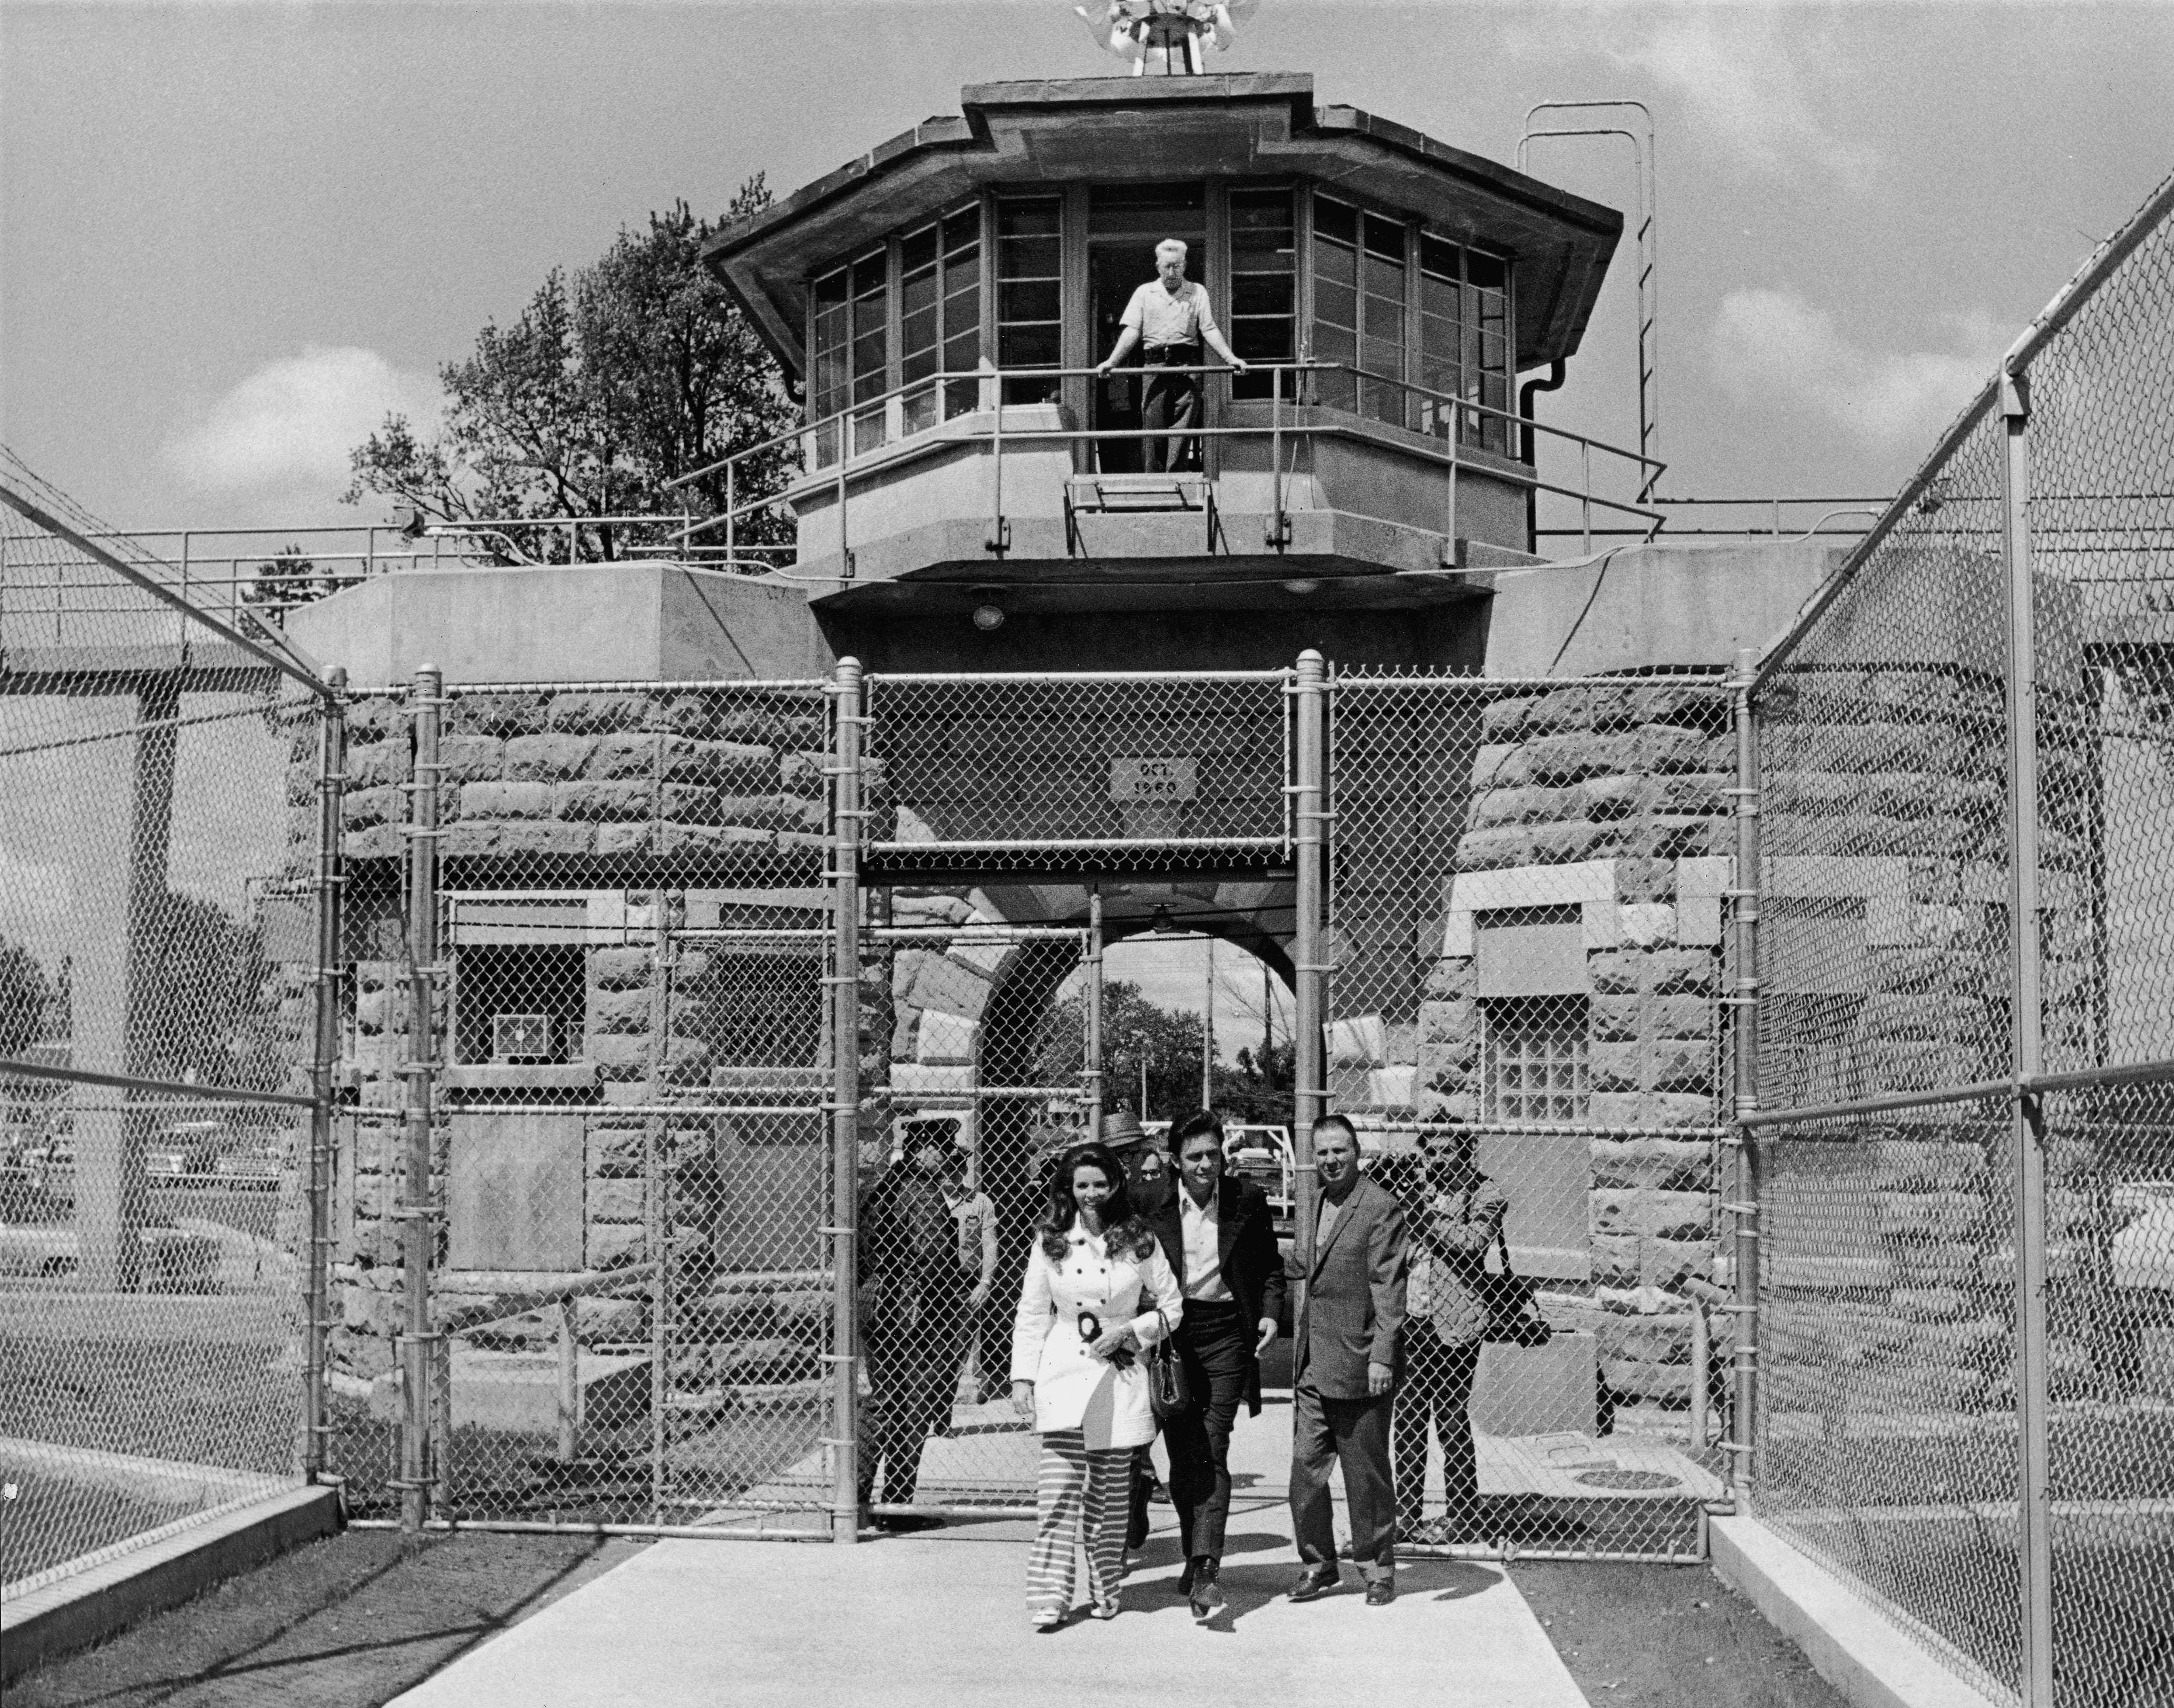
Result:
{"points": [[1344, 1366]]}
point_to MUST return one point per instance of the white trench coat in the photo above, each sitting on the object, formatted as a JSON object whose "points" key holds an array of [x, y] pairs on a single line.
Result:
{"points": [[1072, 1389]]}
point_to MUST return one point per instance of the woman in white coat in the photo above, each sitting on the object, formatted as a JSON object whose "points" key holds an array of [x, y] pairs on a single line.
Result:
{"points": [[1098, 1289]]}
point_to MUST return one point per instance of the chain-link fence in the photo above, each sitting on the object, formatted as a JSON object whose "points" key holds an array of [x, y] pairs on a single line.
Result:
{"points": [[159, 909], [1526, 885], [1967, 975]]}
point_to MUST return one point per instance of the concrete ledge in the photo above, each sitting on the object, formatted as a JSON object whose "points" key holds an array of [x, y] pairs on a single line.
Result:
{"points": [[1851, 1642], [89, 1606]]}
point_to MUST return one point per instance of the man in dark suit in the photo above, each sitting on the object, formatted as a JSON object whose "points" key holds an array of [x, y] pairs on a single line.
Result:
{"points": [[1343, 1369], [1217, 1234]]}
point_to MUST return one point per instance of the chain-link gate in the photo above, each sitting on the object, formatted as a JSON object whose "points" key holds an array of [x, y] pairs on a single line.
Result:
{"points": [[158, 937], [1526, 900], [1963, 1121]]}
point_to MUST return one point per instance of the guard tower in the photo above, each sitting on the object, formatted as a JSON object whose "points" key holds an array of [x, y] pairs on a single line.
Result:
{"points": [[973, 495]]}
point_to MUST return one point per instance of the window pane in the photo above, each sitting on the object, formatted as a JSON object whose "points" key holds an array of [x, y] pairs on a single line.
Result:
{"points": [[1333, 219], [1485, 271], [1028, 258], [1335, 305], [829, 291], [1029, 219], [1386, 278], [918, 251], [1030, 300], [871, 273], [1385, 237], [1334, 264], [1256, 293], [918, 292], [1438, 296]]}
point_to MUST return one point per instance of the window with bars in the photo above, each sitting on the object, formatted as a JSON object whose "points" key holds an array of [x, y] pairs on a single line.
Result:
{"points": [[1263, 284], [1030, 293], [1534, 1058]]}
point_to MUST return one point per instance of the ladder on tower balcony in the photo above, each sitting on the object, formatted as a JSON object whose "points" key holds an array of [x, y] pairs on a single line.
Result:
{"points": [[1133, 494]]}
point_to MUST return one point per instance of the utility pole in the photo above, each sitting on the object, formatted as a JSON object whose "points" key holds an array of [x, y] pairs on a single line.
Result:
{"points": [[1208, 1034]]}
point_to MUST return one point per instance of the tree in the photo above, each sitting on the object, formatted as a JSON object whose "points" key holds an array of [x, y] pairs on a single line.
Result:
{"points": [[25, 997], [290, 579], [212, 1000], [609, 385]]}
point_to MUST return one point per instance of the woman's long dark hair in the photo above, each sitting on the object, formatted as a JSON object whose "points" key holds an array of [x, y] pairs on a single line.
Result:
{"points": [[1123, 1232]]}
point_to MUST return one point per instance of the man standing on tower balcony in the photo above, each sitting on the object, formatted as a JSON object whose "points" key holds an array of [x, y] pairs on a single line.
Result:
{"points": [[1169, 318]]}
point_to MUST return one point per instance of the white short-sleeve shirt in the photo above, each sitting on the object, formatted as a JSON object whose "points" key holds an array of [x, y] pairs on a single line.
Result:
{"points": [[1161, 317]]}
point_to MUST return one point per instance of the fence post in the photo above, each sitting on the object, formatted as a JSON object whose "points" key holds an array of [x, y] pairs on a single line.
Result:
{"points": [[656, 1175], [332, 780], [1093, 1074], [2034, 1538], [845, 985], [1309, 842], [417, 1229], [1743, 1049]]}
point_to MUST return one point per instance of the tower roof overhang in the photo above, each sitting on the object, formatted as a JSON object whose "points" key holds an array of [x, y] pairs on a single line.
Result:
{"points": [[1251, 125]]}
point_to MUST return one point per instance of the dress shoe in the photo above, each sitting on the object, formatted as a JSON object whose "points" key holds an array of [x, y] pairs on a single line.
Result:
{"points": [[1207, 1597], [1380, 1593], [1314, 1582], [1185, 1578]]}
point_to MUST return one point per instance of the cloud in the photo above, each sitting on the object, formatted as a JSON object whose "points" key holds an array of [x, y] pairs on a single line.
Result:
{"points": [[1735, 74], [293, 421], [1770, 346]]}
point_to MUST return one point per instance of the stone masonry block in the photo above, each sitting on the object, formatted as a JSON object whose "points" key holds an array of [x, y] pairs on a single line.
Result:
{"points": [[1493, 850], [548, 759], [594, 714], [544, 836], [1616, 1019], [1528, 806], [1677, 972], [1678, 1109], [1678, 1065], [674, 838], [610, 1245], [1558, 709], [943, 985], [359, 808], [617, 1011], [497, 714], [618, 1056], [739, 767], [617, 1200], [469, 838], [506, 801], [1665, 1164], [1503, 719], [1451, 976], [621, 801], [471, 758], [1615, 1067], [614, 1151], [1443, 1020], [1617, 972], [622, 754], [624, 838], [1570, 759], [1616, 797], [619, 969]]}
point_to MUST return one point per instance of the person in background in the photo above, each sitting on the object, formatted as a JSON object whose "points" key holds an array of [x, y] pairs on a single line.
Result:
{"points": [[976, 1220], [1343, 1369], [1461, 1219], [1097, 1290], [913, 1305], [1218, 1235], [1152, 1186]]}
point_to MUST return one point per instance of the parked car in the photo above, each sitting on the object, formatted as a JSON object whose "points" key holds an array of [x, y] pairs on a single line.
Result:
{"points": [[185, 1148], [1264, 1155]]}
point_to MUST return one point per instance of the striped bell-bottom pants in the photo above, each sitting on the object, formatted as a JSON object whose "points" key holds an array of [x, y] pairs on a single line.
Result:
{"points": [[1081, 1497]]}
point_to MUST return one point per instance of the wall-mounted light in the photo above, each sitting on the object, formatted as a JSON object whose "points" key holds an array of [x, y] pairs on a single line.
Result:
{"points": [[1161, 923], [988, 618]]}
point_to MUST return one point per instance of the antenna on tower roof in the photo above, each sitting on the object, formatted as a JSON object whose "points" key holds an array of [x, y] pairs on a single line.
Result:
{"points": [[1166, 38]]}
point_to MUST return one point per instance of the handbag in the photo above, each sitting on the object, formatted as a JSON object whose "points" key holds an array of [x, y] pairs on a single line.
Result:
{"points": [[1168, 1389], [1506, 1300]]}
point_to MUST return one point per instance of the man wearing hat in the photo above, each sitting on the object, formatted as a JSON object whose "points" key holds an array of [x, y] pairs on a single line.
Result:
{"points": [[1152, 1184]]}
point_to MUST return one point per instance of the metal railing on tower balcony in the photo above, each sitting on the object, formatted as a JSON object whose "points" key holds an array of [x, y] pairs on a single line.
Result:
{"points": [[1429, 426]]}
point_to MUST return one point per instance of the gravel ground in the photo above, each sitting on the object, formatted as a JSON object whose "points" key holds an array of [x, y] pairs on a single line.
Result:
{"points": [[1662, 1637]]}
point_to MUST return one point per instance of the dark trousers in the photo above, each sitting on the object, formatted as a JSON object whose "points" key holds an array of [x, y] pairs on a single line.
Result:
{"points": [[913, 1378], [1354, 1434], [1437, 1389], [1215, 1345], [1169, 400]]}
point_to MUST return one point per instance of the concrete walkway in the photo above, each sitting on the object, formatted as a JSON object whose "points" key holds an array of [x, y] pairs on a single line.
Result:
{"points": [[941, 1619]]}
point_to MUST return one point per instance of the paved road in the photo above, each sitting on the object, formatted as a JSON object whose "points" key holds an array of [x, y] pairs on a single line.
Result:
{"points": [[941, 1619]]}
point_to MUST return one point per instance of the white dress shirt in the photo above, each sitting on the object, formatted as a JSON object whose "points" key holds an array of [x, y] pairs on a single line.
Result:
{"points": [[1203, 1248], [1162, 317]]}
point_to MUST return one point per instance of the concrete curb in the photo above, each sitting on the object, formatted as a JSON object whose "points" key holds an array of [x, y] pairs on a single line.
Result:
{"points": [[92, 1605], [1851, 1641]]}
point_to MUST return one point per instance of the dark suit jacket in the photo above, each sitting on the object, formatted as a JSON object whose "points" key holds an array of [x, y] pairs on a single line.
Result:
{"points": [[1252, 1266], [1353, 1306]]}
